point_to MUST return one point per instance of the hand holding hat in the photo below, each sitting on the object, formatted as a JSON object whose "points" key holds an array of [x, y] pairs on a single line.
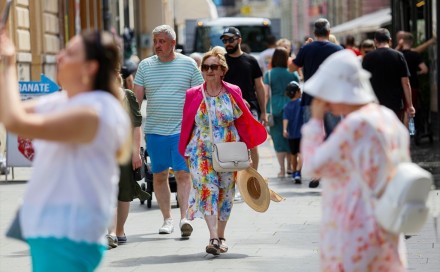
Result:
{"points": [[255, 190]]}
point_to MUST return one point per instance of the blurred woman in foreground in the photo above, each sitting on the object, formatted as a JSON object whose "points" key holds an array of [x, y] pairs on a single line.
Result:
{"points": [[366, 144], [80, 136]]}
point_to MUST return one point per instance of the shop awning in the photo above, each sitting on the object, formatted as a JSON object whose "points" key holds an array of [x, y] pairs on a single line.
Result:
{"points": [[366, 23]]}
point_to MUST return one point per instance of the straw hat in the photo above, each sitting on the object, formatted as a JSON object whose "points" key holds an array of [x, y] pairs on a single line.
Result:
{"points": [[255, 191], [341, 79]]}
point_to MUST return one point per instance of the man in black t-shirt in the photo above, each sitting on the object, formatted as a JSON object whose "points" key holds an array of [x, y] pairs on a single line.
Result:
{"points": [[389, 75], [245, 72], [416, 67]]}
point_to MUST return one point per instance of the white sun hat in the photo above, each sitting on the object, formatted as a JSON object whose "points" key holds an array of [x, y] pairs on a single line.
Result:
{"points": [[341, 79]]}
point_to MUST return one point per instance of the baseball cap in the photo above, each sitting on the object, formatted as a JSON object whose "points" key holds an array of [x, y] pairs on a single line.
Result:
{"points": [[231, 32]]}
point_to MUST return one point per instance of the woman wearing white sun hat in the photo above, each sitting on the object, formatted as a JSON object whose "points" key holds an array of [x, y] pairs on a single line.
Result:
{"points": [[356, 151]]}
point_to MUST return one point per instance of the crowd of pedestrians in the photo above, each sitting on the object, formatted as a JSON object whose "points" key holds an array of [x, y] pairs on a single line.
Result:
{"points": [[331, 122]]}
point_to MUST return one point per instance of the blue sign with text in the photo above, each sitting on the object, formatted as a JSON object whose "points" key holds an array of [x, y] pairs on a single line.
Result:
{"points": [[44, 86]]}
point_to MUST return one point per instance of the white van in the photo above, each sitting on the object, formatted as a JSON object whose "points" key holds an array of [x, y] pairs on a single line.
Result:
{"points": [[201, 35]]}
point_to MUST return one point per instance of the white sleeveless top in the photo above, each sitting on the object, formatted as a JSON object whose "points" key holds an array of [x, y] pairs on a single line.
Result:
{"points": [[72, 190]]}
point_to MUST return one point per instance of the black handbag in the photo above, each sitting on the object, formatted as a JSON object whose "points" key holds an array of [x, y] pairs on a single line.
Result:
{"points": [[139, 173]]}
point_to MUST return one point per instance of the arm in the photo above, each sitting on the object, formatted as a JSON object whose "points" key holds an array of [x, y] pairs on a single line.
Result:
{"points": [[285, 124], [77, 125], [422, 47], [139, 92], [407, 93], [261, 96], [136, 157], [293, 67], [423, 69], [266, 94]]}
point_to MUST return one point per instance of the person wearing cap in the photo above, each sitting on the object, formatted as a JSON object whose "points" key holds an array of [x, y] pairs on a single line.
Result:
{"points": [[164, 79], [389, 75], [310, 57], [292, 123], [356, 152], [245, 72]]}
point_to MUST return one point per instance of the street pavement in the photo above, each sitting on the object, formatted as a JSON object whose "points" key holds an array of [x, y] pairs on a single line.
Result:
{"points": [[285, 238]]}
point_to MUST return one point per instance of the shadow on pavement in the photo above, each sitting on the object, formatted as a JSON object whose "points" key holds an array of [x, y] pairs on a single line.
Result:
{"points": [[300, 194], [201, 257], [19, 254]]}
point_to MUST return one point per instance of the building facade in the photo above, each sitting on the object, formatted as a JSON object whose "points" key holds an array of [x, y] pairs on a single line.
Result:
{"points": [[40, 29]]}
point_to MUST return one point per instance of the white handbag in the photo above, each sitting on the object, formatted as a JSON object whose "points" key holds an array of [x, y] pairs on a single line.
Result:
{"points": [[227, 156]]}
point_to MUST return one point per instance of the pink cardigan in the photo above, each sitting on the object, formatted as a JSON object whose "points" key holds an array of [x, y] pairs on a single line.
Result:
{"points": [[251, 132]]}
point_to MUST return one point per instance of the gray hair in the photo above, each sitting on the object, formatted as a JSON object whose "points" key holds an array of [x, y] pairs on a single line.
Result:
{"points": [[322, 27], [165, 29]]}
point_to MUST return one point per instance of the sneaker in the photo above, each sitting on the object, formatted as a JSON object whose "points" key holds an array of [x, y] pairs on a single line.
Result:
{"points": [[237, 197], [314, 183], [122, 239], [112, 241], [297, 177], [185, 228], [167, 227]]}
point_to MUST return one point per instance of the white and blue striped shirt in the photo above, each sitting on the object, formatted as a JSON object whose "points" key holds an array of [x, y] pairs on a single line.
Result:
{"points": [[165, 86]]}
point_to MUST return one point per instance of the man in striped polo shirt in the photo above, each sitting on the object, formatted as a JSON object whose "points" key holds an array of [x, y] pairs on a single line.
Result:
{"points": [[164, 79]]}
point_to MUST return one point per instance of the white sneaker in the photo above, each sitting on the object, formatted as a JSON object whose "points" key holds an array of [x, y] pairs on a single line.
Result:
{"points": [[185, 228], [167, 226], [237, 197]]}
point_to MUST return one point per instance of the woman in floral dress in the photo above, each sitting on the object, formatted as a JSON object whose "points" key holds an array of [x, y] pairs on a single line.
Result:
{"points": [[368, 142], [212, 194]]}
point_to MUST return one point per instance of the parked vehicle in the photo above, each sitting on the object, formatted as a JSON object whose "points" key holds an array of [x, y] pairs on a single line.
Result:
{"points": [[201, 35]]}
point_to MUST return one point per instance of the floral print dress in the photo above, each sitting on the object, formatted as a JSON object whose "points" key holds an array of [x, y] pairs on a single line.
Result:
{"points": [[212, 192], [351, 239]]}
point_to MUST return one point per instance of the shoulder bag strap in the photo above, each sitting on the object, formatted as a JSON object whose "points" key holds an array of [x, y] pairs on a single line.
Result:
{"points": [[209, 115], [270, 92]]}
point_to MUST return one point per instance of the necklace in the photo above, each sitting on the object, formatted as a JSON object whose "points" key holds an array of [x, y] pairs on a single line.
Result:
{"points": [[221, 89]]}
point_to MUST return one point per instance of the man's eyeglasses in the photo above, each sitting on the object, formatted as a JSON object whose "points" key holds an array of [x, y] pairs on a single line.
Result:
{"points": [[229, 40], [214, 67]]}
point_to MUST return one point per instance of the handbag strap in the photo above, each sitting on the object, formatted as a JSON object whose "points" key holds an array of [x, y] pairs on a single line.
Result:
{"points": [[270, 92], [209, 115]]}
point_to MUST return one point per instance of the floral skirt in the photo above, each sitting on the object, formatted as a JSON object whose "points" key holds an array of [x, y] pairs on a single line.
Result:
{"points": [[212, 192]]}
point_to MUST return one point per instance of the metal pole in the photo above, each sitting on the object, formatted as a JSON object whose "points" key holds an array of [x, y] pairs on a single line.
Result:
{"points": [[438, 68], [106, 15]]}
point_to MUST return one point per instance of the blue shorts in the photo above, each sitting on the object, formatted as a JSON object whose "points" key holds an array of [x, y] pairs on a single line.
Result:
{"points": [[61, 254], [164, 153]]}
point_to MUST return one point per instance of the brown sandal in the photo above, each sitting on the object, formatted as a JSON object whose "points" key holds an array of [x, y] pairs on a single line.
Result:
{"points": [[223, 245], [213, 247]]}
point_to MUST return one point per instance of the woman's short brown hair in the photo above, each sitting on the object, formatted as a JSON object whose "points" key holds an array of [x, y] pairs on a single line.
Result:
{"points": [[280, 57]]}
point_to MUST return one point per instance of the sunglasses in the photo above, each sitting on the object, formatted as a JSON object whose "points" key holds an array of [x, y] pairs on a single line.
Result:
{"points": [[229, 40], [214, 67]]}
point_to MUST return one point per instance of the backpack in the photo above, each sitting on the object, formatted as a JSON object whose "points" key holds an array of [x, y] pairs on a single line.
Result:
{"points": [[402, 206]]}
